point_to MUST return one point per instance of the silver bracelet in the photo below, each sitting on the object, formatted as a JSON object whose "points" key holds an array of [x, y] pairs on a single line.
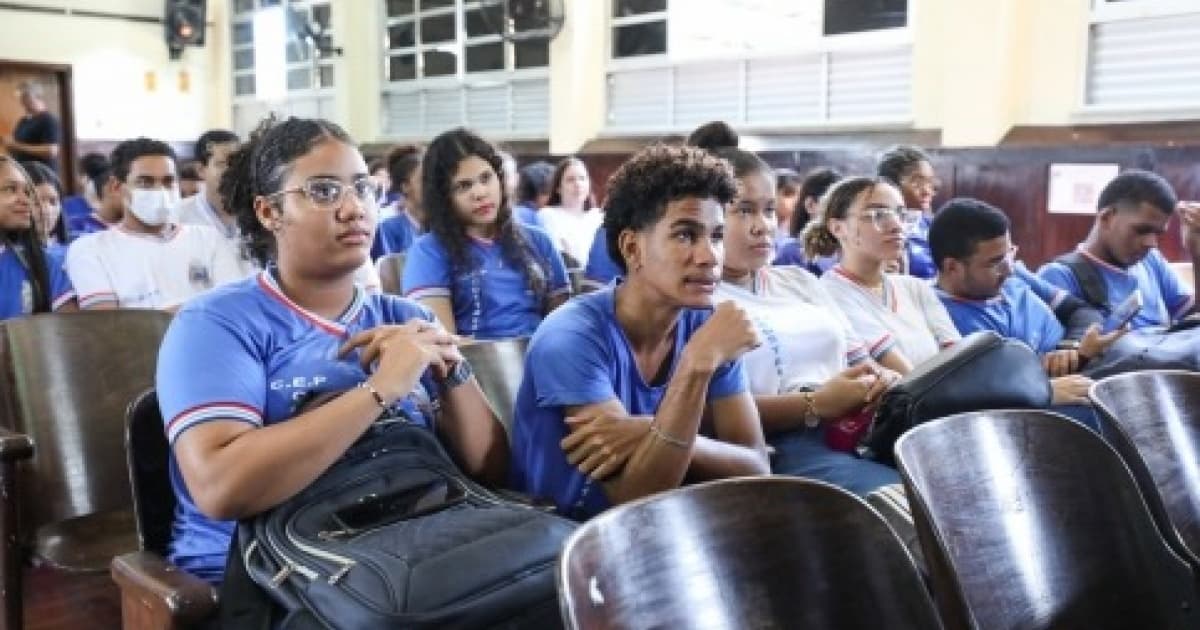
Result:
{"points": [[673, 441], [374, 392]]}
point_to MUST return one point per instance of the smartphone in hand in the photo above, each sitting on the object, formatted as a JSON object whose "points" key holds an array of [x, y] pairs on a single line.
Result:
{"points": [[1125, 312]]}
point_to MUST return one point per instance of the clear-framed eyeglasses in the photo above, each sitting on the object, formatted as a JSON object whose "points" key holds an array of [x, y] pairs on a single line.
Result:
{"points": [[328, 193]]}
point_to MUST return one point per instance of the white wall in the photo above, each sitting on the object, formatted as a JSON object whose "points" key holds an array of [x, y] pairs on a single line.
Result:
{"points": [[115, 61]]}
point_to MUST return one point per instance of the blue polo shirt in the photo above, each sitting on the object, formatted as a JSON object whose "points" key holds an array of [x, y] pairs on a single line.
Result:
{"points": [[395, 235], [245, 352], [528, 215], [16, 295], [580, 356], [920, 257], [1164, 298], [492, 299], [600, 268], [1016, 313]]}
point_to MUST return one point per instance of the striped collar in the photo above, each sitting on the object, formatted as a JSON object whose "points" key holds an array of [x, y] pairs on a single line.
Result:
{"points": [[1096, 260], [887, 299], [337, 327]]}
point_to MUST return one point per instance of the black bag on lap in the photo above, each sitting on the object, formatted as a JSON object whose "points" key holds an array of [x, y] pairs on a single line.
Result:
{"points": [[393, 535], [982, 371]]}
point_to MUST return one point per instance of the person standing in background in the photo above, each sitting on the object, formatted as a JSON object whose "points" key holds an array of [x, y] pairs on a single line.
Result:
{"points": [[37, 134]]}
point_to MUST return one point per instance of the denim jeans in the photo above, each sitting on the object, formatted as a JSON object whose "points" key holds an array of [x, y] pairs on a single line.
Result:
{"points": [[803, 453]]}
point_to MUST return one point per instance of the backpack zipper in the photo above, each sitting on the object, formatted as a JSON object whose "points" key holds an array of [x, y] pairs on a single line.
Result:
{"points": [[345, 563]]}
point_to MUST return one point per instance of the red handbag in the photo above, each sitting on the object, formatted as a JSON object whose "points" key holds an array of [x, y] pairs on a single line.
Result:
{"points": [[843, 434]]}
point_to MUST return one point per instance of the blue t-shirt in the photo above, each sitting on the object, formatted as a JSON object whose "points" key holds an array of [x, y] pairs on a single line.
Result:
{"points": [[792, 253], [920, 257], [75, 207], [1016, 313], [395, 235], [78, 226], [16, 294], [528, 215], [493, 300], [246, 352], [1164, 297], [600, 268], [580, 356]]}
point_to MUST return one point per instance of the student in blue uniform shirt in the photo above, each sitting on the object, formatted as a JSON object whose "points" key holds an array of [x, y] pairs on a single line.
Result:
{"points": [[76, 207], [600, 268], [238, 363], [791, 250], [533, 192], [617, 381], [1122, 247], [31, 280], [910, 170], [52, 228], [397, 233], [480, 271], [971, 244], [108, 211]]}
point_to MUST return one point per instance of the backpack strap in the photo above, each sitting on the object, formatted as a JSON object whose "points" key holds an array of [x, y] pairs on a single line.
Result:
{"points": [[1094, 291]]}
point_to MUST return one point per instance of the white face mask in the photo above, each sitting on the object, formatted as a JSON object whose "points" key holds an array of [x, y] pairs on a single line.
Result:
{"points": [[154, 207]]}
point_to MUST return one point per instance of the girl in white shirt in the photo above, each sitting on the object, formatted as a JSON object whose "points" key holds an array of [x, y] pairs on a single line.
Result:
{"points": [[864, 219], [571, 216], [811, 366]]}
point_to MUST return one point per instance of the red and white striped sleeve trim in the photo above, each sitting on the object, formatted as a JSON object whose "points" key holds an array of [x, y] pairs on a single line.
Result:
{"points": [[92, 299], [882, 345], [59, 301], [857, 354], [200, 414], [421, 293]]}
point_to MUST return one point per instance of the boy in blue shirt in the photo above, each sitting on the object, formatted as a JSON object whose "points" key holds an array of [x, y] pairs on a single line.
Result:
{"points": [[1121, 252], [635, 388]]}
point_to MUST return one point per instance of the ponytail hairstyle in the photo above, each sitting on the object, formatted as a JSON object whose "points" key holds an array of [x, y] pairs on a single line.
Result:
{"points": [[442, 158], [835, 204], [258, 169], [814, 186], [40, 174], [27, 244], [719, 139], [556, 181]]}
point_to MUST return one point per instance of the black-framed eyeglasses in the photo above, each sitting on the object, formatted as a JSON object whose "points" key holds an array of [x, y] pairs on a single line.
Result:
{"points": [[328, 193]]}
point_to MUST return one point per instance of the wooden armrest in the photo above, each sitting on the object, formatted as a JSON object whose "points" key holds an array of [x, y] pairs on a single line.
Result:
{"points": [[157, 594], [14, 446]]}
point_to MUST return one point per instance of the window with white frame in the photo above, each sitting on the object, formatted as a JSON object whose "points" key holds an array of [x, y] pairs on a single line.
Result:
{"points": [[301, 83], [461, 62], [1143, 58], [759, 64]]}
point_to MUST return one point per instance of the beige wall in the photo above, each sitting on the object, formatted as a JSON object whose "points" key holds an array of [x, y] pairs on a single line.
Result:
{"points": [[115, 62]]}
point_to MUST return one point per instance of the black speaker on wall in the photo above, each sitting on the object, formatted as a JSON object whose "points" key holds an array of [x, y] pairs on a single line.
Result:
{"points": [[184, 21]]}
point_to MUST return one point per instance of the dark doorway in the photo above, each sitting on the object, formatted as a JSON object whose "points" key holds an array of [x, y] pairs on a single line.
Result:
{"points": [[56, 80]]}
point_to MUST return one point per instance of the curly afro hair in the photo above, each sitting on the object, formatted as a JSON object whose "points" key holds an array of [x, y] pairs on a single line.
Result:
{"points": [[638, 193]]}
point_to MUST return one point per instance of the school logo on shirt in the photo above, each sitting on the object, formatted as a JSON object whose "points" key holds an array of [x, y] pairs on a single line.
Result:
{"points": [[199, 275]]}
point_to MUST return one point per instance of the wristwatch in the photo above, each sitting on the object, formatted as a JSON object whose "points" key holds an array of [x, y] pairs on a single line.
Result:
{"points": [[1068, 344], [461, 373], [811, 419]]}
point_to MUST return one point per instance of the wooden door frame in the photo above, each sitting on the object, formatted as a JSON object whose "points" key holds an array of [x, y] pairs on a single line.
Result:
{"points": [[66, 153]]}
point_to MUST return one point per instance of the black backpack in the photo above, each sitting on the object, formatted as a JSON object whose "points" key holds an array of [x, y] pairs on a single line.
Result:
{"points": [[393, 535]]}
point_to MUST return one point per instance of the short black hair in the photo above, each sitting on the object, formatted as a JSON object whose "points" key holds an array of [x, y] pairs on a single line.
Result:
{"points": [[960, 225], [93, 165], [898, 161], [714, 135], [125, 153], [535, 180], [786, 178], [189, 171], [1135, 187], [400, 162], [638, 193], [815, 183], [204, 144]]}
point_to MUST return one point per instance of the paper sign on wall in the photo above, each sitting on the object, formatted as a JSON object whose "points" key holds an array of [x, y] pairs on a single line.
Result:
{"points": [[1075, 188]]}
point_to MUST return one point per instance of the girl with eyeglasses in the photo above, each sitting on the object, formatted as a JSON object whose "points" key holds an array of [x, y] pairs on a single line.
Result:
{"points": [[865, 219], [31, 280], [484, 274], [239, 361]]}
